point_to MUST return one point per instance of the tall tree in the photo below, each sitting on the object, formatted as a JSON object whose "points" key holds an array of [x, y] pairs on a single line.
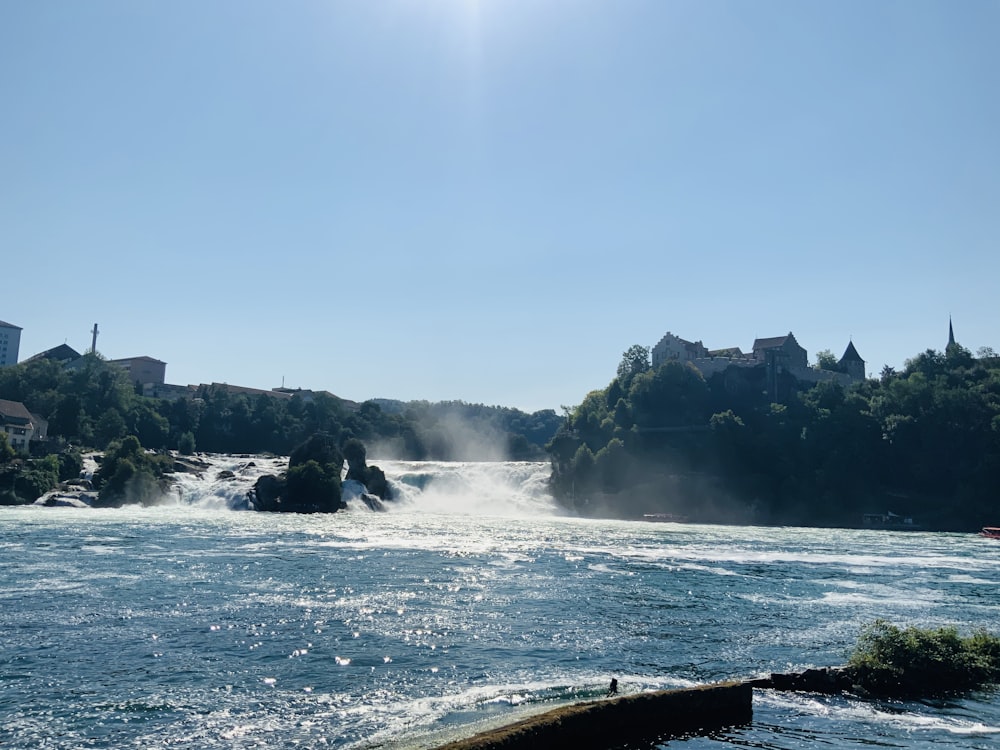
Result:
{"points": [[827, 360], [635, 360]]}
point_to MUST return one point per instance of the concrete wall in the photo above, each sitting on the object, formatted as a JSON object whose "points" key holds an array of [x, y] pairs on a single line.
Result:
{"points": [[630, 719]]}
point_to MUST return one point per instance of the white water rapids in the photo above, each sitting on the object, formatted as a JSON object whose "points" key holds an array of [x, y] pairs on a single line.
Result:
{"points": [[468, 488]]}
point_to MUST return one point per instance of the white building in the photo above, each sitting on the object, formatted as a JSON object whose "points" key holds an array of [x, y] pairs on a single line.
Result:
{"points": [[18, 424], [10, 342]]}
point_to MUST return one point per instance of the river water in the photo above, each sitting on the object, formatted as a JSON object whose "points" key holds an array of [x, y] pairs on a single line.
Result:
{"points": [[191, 625]]}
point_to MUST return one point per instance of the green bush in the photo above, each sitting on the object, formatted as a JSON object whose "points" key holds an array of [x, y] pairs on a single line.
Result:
{"points": [[313, 488], [186, 443], [912, 662], [70, 464], [23, 482], [7, 453], [128, 474]]}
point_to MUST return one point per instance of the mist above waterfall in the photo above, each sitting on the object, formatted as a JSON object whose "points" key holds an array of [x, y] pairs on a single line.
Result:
{"points": [[459, 431], [472, 488]]}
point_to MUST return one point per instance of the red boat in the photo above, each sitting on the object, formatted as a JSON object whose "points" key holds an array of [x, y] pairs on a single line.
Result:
{"points": [[990, 532]]}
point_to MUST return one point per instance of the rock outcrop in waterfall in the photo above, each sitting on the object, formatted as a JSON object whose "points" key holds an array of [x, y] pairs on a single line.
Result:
{"points": [[312, 483]]}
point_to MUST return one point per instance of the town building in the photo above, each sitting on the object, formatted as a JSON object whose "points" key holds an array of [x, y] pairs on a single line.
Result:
{"points": [[62, 353], [20, 425], [237, 390], [674, 348], [143, 370], [775, 360], [851, 362], [309, 396], [168, 392], [783, 351], [10, 343]]}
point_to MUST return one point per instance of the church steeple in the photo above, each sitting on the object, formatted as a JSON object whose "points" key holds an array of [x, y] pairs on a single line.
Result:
{"points": [[851, 362], [951, 333]]}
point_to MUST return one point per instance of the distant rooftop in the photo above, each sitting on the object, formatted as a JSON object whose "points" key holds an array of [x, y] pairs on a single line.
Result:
{"points": [[14, 410], [61, 353], [773, 342], [851, 354], [143, 358]]}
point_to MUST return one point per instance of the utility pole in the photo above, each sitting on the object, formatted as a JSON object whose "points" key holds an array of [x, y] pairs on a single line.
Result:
{"points": [[93, 346]]}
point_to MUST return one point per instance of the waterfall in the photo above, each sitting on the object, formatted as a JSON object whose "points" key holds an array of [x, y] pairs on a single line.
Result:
{"points": [[223, 481], [501, 488], [498, 488]]}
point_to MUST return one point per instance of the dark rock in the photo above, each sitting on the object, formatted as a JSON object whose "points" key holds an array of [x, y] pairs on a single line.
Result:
{"points": [[372, 477], [373, 502], [826, 680], [266, 493], [377, 484], [274, 495], [189, 465]]}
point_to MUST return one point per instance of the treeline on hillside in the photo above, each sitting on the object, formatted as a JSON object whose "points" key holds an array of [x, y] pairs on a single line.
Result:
{"points": [[924, 442], [95, 405]]}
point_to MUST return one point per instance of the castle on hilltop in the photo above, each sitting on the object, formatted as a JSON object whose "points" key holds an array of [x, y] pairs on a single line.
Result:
{"points": [[776, 359]]}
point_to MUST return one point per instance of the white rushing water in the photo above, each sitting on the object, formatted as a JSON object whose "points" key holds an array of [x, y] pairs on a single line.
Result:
{"points": [[466, 488]]}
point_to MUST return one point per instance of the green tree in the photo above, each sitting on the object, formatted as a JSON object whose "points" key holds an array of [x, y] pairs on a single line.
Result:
{"points": [[826, 360], [151, 427], [110, 426], [635, 360], [129, 475], [37, 477], [70, 464], [186, 443], [612, 465], [7, 453], [673, 395]]}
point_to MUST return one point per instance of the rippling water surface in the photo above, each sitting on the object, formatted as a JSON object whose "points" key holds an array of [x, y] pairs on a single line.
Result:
{"points": [[193, 626]]}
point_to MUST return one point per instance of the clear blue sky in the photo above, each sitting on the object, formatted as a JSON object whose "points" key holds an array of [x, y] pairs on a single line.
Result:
{"points": [[491, 201]]}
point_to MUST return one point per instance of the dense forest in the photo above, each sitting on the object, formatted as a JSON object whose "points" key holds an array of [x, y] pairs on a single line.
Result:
{"points": [[94, 405], [923, 443]]}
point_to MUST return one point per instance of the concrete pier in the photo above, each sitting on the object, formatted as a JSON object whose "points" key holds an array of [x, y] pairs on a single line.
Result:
{"points": [[632, 718]]}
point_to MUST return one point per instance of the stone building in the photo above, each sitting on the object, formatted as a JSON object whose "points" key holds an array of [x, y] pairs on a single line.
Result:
{"points": [[10, 342], [784, 351], [851, 362], [672, 347], [774, 364]]}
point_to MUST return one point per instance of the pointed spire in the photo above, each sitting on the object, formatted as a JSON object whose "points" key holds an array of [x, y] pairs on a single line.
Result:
{"points": [[951, 333], [851, 354]]}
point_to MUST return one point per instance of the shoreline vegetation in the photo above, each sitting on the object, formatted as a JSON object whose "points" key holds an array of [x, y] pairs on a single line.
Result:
{"points": [[912, 450], [917, 449]]}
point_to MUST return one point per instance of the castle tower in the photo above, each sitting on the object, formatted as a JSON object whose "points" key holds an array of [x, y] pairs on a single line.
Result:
{"points": [[851, 362]]}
